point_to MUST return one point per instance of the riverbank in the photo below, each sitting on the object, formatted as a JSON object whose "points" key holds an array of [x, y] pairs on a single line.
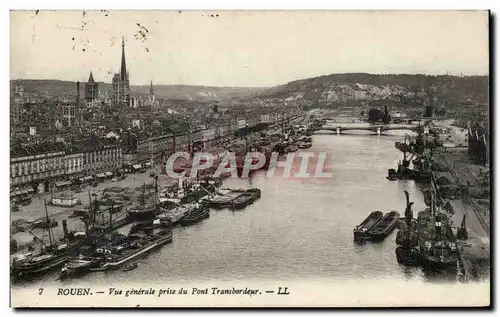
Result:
{"points": [[473, 180]]}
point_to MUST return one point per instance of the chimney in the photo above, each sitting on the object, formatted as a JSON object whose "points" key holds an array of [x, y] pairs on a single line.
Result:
{"points": [[77, 93]]}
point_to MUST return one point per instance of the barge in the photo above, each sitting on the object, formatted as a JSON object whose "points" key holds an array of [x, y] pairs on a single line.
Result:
{"points": [[137, 244], [384, 227], [370, 221]]}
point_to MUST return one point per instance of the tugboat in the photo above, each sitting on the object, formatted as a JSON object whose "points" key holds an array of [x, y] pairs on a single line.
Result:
{"points": [[406, 238], [370, 221], [196, 215], [384, 227]]}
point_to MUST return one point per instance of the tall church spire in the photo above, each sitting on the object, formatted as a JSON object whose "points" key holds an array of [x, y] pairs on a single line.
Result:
{"points": [[123, 70], [151, 92]]}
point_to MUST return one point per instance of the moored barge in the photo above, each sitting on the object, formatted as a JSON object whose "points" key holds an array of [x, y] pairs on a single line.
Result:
{"points": [[384, 227], [370, 221]]}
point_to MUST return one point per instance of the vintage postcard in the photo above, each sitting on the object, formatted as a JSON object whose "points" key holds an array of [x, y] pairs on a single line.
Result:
{"points": [[249, 158]]}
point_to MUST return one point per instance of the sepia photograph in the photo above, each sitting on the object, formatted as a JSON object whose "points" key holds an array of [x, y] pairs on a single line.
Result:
{"points": [[230, 158]]}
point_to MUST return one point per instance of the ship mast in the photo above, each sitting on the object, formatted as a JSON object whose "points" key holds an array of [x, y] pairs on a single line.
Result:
{"points": [[143, 198], [48, 222], [156, 187]]}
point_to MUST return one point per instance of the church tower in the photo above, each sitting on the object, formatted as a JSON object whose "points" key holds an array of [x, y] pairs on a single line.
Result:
{"points": [[151, 94], [91, 90], [121, 82]]}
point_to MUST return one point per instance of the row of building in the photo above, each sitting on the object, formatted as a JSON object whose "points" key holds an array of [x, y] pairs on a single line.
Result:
{"points": [[42, 165]]}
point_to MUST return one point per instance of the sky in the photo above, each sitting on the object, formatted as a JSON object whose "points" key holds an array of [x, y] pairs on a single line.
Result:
{"points": [[244, 48]]}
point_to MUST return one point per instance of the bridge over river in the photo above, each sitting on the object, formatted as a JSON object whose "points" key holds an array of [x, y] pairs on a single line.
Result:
{"points": [[378, 129]]}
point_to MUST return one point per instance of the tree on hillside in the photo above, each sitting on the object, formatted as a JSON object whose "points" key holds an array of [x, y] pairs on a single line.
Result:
{"points": [[429, 111], [440, 112], [375, 115]]}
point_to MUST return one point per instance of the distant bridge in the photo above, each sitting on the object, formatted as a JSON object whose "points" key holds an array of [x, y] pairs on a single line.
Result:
{"points": [[402, 120], [378, 129]]}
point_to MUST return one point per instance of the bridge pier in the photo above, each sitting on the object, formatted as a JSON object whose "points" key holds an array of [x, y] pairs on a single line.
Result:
{"points": [[378, 131], [338, 130]]}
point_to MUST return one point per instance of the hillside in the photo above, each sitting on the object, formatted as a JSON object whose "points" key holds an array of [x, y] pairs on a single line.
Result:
{"points": [[337, 88], [68, 88], [322, 90], [198, 92]]}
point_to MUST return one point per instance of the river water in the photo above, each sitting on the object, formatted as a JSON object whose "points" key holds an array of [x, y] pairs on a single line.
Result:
{"points": [[301, 227]]}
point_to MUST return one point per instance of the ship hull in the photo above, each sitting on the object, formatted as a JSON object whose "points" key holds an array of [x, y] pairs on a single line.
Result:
{"points": [[360, 232], [435, 263], [384, 227], [407, 256], [140, 252], [23, 271], [197, 217], [79, 269]]}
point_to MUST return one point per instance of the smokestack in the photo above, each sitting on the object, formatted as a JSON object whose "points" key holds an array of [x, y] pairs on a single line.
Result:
{"points": [[65, 228]]}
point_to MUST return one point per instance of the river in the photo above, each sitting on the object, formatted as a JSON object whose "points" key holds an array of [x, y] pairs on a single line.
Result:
{"points": [[300, 228]]}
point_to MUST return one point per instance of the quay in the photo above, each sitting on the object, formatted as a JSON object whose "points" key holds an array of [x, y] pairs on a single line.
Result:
{"points": [[130, 185], [461, 188]]}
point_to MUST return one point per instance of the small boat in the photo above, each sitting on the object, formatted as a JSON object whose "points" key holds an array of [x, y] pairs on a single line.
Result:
{"points": [[98, 269], [247, 198], [384, 227], [129, 267], [305, 145], [370, 221], [391, 174], [148, 226]]}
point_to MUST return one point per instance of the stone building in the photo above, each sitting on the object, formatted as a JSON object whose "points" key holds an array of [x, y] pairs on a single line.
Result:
{"points": [[91, 91], [34, 166]]}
